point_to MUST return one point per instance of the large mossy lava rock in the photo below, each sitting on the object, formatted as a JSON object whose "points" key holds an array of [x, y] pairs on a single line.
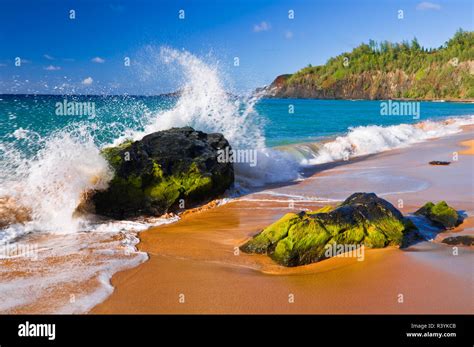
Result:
{"points": [[153, 175], [303, 238]]}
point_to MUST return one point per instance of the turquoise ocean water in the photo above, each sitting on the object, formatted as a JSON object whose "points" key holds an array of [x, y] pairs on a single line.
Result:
{"points": [[311, 121]]}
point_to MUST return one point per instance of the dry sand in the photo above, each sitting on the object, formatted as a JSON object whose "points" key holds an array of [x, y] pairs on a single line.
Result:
{"points": [[470, 145], [194, 266]]}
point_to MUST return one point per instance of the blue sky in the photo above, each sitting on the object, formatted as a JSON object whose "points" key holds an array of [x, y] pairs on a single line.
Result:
{"points": [[86, 54]]}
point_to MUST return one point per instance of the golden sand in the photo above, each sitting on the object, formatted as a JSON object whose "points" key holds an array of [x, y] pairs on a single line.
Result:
{"points": [[195, 265], [470, 149]]}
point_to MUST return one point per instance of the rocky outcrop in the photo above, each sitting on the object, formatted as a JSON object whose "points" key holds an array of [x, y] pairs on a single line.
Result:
{"points": [[303, 238], [162, 171], [440, 214], [373, 85], [386, 70], [464, 240], [366, 85]]}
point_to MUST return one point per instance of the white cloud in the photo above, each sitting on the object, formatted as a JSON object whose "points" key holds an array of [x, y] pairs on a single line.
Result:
{"points": [[49, 57], [289, 35], [98, 60], [263, 26], [87, 81], [425, 5], [52, 68]]}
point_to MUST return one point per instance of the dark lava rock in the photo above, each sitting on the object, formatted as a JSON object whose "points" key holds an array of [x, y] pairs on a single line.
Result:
{"points": [[153, 175], [466, 240], [437, 162]]}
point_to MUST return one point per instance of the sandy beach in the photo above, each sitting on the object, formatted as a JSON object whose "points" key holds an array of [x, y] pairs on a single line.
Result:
{"points": [[195, 267]]}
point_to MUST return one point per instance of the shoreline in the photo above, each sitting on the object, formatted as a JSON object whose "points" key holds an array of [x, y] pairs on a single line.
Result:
{"points": [[195, 256]]}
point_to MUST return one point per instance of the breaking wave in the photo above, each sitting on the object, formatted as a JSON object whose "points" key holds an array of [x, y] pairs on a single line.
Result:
{"points": [[373, 139]]}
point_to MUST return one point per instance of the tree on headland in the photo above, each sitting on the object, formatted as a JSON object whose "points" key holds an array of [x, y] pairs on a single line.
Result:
{"points": [[427, 72]]}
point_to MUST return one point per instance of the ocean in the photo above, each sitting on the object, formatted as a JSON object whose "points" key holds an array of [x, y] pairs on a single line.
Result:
{"points": [[309, 120], [50, 160], [286, 133]]}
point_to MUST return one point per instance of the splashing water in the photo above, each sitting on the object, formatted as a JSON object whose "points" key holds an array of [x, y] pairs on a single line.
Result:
{"points": [[372, 139], [51, 185], [66, 165], [45, 177], [205, 105]]}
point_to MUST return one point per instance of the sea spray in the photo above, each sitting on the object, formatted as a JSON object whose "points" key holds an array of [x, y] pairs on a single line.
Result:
{"points": [[51, 184], [48, 175], [205, 105]]}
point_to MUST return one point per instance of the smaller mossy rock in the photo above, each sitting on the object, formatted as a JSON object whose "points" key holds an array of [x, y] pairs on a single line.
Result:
{"points": [[440, 214], [303, 238], [152, 175]]}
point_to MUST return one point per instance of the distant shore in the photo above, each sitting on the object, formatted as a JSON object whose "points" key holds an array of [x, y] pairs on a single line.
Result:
{"points": [[194, 266], [466, 101]]}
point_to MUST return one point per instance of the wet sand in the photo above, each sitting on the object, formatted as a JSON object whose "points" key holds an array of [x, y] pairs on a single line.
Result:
{"points": [[195, 266], [62, 273]]}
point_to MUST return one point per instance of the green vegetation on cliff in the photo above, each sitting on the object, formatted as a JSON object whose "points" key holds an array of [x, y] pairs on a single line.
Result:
{"points": [[388, 70]]}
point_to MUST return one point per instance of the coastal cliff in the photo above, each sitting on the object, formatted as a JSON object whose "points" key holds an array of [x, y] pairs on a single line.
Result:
{"points": [[387, 71]]}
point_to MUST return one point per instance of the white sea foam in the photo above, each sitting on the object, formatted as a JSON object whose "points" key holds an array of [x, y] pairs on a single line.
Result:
{"points": [[47, 188], [372, 139], [69, 274], [52, 184], [205, 105], [275, 196]]}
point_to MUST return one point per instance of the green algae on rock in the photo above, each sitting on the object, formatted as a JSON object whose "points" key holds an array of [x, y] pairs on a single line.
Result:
{"points": [[440, 214], [153, 175], [302, 238]]}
